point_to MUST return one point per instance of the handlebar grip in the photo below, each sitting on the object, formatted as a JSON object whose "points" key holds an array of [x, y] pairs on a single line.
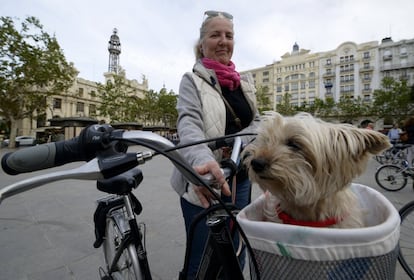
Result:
{"points": [[43, 156], [29, 159]]}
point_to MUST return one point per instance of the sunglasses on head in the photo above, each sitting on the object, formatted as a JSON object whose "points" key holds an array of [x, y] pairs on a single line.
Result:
{"points": [[210, 14]]}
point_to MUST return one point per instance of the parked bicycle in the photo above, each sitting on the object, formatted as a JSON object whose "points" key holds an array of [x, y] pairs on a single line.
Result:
{"points": [[394, 155], [392, 177], [116, 172]]}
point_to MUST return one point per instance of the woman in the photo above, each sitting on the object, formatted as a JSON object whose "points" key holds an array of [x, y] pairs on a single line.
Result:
{"points": [[213, 101]]}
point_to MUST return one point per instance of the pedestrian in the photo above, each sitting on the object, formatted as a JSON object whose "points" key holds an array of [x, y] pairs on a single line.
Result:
{"points": [[394, 133], [409, 130], [367, 124], [213, 101]]}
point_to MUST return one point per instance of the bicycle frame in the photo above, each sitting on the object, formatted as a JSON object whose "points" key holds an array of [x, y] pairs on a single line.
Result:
{"points": [[219, 254]]}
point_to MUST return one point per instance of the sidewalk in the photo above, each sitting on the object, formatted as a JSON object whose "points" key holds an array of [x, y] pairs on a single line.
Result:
{"points": [[47, 233]]}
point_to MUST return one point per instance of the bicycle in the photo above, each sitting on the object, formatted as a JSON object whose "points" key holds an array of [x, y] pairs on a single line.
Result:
{"points": [[116, 173], [392, 177], [394, 155], [406, 244]]}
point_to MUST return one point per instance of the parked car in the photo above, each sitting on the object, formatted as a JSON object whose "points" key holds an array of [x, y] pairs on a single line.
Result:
{"points": [[22, 141]]}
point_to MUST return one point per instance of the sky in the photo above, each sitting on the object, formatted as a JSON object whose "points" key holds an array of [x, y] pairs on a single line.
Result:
{"points": [[158, 36]]}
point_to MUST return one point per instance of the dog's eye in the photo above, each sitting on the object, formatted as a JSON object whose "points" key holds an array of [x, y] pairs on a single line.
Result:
{"points": [[292, 144]]}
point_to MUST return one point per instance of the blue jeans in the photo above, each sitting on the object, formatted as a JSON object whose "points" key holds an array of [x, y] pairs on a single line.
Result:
{"points": [[243, 196]]}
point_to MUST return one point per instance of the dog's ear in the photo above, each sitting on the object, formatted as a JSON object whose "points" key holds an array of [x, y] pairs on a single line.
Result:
{"points": [[373, 142], [376, 142]]}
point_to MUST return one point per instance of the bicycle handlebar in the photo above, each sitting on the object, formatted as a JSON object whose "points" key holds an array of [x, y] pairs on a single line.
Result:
{"points": [[105, 159]]}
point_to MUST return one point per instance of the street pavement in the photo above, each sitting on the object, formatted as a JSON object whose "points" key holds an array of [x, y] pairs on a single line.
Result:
{"points": [[47, 233]]}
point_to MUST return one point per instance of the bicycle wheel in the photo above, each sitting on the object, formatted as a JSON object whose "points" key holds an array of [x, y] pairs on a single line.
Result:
{"points": [[127, 267], [390, 177], [406, 254]]}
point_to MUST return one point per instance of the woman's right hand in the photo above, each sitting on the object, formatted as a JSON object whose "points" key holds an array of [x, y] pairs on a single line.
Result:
{"points": [[202, 192]]}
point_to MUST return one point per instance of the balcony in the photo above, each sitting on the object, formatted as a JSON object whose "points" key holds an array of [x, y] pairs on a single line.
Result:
{"points": [[328, 74], [366, 69], [366, 90], [397, 66], [346, 70], [387, 57]]}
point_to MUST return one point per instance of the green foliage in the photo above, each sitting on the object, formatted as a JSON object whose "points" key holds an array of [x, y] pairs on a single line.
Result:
{"points": [[284, 107], [350, 109], [122, 103], [263, 100], [119, 101], [394, 100], [32, 67]]}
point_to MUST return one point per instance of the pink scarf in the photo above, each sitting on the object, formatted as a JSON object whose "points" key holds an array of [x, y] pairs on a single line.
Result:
{"points": [[226, 74]]}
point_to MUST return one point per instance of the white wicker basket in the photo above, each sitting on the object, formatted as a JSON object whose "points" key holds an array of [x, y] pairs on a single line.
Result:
{"points": [[298, 252]]}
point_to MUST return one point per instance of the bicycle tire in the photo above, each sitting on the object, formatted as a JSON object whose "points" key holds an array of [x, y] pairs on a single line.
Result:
{"points": [[390, 178], [406, 252], [128, 265]]}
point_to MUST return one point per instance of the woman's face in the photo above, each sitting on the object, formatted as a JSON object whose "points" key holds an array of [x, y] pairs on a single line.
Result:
{"points": [[217, 43]]}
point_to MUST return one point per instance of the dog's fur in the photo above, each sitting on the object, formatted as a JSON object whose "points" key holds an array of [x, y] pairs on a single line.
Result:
{"points": [[309, 165]]}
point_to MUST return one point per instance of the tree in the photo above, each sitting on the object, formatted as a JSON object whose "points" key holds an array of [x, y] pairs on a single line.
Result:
{"points": [[394, 100], [284, 107], [167, 102], [350, 109], [263, 100], [32, 68], [119, 101]]}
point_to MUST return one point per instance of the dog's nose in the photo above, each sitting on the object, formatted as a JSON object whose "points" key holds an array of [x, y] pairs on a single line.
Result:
{"points": [[258, 164]]}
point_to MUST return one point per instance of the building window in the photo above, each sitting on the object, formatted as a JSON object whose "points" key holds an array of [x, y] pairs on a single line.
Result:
{"points": [[366, 55], [367, 76], [279, 80], [366, 65], [387, 55], [265, 80], [278, 89], [311, 84], [312, 75], [286, 87], [328, 61], [366, 87], [92, 109], [57, 103], [302, 85], [80, 106], [266, 73], [294, 86]]}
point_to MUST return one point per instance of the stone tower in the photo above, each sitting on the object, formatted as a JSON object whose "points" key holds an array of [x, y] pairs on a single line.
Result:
{"points": [[114, 48]]}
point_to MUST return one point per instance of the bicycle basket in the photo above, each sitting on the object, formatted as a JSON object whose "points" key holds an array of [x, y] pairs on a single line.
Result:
{"points": [[298, 252]]}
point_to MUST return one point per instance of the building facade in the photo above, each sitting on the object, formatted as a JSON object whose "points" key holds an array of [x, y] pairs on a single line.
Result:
{"points": [[351, 70], [81, 101]]}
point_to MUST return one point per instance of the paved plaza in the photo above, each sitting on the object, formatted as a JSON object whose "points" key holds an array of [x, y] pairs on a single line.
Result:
{"points": [[47, 233]]}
